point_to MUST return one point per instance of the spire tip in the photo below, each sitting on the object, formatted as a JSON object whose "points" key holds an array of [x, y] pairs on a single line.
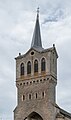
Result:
{"points": [[38, 12]]}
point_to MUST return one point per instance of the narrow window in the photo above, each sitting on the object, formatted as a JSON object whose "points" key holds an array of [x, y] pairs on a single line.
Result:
{"points": [[29, 67], [23, 97], [43, 94], [43, 64], [36, 96], [35, 66], [22, 69], [30, 96]]}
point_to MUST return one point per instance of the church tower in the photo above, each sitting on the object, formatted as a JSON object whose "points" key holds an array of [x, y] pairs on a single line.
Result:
{"points": [[36, 79]]}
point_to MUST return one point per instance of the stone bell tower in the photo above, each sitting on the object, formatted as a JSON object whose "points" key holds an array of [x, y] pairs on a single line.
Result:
{"points": [[36, 79]]}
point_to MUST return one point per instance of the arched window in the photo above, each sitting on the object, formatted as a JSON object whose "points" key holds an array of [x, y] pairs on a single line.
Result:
{"points": [[29, 67], [22, 69], [35, 66], [43, 64]]}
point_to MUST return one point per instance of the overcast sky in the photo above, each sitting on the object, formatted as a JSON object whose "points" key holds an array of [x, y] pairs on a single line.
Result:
{"points": [[17, 21]]}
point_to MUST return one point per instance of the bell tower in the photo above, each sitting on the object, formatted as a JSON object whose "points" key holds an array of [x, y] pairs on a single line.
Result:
{"points": [[36, 79]]}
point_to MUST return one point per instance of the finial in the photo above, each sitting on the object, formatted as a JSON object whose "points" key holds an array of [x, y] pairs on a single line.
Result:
{"points": [[53, 45], [38, 12], [19, 54]]}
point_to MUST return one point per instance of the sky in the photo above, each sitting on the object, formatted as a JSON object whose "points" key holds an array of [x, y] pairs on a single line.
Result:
{"points": [[17, 21]]}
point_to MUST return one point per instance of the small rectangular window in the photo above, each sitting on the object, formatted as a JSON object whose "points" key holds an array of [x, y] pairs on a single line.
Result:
{"points": [[36, 95], [30, 96], [23, 97], [43, 94]]}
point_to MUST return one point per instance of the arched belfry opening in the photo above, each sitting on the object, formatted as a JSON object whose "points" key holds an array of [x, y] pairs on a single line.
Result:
{"points": [[34, 116]]}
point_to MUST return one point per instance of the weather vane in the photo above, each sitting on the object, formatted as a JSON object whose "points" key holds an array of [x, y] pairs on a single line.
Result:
{"points": [[38, 12]]}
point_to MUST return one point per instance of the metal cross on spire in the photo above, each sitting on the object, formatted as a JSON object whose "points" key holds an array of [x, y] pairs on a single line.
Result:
{"points": [[38, 12]]}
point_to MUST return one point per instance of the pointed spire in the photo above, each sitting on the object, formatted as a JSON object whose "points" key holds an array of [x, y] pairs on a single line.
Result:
{"points": [[38, 13], [36, 40]]}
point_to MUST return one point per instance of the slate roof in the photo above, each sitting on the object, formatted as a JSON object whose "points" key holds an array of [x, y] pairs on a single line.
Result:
{"points": [[63, 112]]}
